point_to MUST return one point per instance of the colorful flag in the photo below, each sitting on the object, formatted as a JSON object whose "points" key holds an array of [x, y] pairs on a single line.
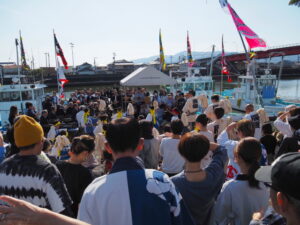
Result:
{"points": [[254, 41], [62, 80], [23, 58], [60, 53], [161, 53], [225, 70], [61, 76], [189, 52]]}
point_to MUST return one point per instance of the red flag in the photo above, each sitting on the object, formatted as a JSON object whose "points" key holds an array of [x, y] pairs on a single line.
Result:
{"points": [[225, 70], [60, 53], [62, 80], [254, 41], [61, 76]]}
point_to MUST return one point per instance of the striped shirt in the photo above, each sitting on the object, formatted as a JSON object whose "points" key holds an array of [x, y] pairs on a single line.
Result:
{"points": [[34, 180]]}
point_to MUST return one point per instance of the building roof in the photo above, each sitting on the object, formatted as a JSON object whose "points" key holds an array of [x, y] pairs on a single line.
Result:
{"points": [[147, 76]]}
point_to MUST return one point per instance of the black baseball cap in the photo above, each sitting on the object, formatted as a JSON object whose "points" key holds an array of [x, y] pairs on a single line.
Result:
{"points": [[283, 175]]}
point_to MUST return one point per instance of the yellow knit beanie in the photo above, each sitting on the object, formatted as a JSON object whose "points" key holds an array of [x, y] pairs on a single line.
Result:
{"points": [[27, 131]]}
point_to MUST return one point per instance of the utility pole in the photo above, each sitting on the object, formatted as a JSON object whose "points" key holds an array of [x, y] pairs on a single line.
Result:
{"points": [[47, 66], [72, 46], [212, 60], [114, 61], [95, 64], [19, 76]]}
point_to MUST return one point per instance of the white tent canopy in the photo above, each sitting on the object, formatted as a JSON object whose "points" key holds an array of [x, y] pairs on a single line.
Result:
{"points": [[147, 76]]}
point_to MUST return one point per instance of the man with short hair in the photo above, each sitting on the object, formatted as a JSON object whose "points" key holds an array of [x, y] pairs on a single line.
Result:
{"points": [[283, 178], [28, 176], [254, 117], [131, 194], [191, 108], [215, 102], [30, 111]]}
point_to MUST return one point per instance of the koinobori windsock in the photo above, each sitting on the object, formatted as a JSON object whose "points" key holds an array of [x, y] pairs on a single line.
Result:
{"points": [[60, 53], [253, 40]]}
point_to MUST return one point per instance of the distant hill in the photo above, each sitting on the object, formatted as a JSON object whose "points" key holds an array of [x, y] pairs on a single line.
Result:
{"points": [[175, 58]]}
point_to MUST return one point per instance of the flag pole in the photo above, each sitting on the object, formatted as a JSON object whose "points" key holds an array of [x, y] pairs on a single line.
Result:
{"points": [[56, 60], [221, 86], [244, 46], [260, 101], [19, 76]]}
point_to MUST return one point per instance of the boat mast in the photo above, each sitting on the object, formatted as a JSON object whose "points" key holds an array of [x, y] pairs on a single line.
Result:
{"points": [[260, 101], [211, 60], [57, 65], [19, 75]]}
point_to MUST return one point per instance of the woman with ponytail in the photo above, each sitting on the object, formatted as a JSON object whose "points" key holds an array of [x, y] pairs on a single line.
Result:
{"points": [[244, 195]]}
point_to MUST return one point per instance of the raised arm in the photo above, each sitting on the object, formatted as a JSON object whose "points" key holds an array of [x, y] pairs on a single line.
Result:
{"points": [[25, 213]]}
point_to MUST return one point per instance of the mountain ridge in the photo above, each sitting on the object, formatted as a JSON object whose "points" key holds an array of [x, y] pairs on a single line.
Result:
{"points": [[180, 56]]}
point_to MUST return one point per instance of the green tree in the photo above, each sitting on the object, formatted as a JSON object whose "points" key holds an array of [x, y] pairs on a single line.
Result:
{"points": [[295, 2]]}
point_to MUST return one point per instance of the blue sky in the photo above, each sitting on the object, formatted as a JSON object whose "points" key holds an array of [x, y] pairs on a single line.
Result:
{"points": [[130, 28]]}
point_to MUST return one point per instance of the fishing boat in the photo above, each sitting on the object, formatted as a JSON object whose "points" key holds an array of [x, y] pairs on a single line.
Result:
{"points": [[18, 95], [257, 90]]}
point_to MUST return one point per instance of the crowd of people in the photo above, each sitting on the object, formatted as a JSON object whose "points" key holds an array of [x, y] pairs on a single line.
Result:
{"points": [[128, 156]]}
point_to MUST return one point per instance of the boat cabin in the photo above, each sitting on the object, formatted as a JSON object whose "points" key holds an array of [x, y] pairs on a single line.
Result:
{"points": [[266, 88], [18, 95], [201, 85]]}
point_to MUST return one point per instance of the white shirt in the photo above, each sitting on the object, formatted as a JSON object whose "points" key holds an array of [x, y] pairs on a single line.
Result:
{"points": [[283, 127], [172, 160], [257, 133], [210, 109], [190, 110], [208, 158], [233, 168], [220, 125], [79, 118], [238, 201]]}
